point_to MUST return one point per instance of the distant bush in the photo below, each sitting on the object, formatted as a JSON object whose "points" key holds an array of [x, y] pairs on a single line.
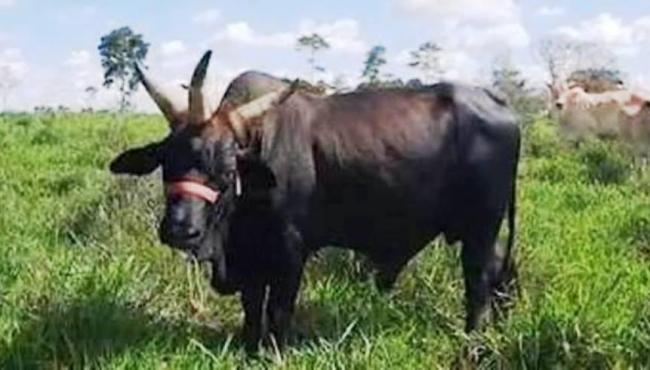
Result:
{"points": [[605, 163], [46, 136], [541, 139], [24, 122], [636, 229], [559, 169]]}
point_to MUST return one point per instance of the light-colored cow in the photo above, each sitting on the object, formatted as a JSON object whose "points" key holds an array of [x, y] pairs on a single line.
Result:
{"points": [[619, 114]]}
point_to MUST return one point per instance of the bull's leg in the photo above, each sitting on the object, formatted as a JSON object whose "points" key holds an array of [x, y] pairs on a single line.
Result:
{"points": [[282, 299], [388, 267], [482, 269], [506, 285], [387, 274], [252, 299]]}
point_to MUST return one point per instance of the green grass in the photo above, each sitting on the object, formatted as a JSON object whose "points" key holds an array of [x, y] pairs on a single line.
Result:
{"points": [[84, 282]]}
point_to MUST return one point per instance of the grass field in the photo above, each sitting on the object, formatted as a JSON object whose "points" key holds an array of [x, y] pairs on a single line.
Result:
{"points": [[85, 284]]}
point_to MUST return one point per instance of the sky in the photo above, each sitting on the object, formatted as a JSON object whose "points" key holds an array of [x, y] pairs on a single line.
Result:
{"points": [[49, 48]]}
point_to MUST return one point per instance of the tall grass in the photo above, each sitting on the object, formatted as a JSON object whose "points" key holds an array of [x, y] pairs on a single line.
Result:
{"points": [[84, 282]]}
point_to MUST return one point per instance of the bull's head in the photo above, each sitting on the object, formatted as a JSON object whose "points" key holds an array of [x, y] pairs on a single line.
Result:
{"points": [[199, 160]]}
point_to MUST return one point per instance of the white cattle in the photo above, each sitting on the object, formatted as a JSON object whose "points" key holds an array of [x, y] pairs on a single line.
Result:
{"points": [[621, 114]]}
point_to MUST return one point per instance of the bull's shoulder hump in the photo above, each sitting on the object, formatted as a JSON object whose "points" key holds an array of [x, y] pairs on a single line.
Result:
{"points": [[250, 85], [485, 104]]}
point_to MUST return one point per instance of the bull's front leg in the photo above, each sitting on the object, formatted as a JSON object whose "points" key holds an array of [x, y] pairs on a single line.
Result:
{"points": [[282, 300], [252, 298], [285, 285]]}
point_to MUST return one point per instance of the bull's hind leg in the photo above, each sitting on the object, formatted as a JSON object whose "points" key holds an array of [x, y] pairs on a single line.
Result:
{"points": [[389, 266], [387, 273], [485, 274]]}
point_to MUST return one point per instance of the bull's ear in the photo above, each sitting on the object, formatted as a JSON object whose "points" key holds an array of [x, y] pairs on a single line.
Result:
{"points": [[138, 161]]}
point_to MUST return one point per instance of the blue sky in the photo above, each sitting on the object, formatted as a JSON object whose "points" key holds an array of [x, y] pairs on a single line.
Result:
{"points": [[49, 48]]}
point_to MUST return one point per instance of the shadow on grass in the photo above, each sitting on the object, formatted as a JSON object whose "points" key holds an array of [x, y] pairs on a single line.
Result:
{"points": [[91, 332]]}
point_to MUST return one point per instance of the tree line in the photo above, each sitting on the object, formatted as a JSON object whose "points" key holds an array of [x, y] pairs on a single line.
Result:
{"points": [[121, 48]]}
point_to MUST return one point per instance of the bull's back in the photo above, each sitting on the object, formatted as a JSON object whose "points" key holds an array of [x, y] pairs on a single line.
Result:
{"points": [[380, 160]]}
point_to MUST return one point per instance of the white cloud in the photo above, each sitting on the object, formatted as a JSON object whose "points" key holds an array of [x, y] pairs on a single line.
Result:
{"points": [[508, 35], [240, 33], [7, 3], [343, 35], [173, 47], [469, 32], [76, 15], [491, 11], [551, 10], [459, 65], [78, 58], [467, 46], [207, 17], [640, 81], [13, 62], [622, 37], [82, 69]]}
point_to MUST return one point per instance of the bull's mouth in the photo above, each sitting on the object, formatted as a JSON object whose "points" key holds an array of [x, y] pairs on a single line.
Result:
{"points": [[192, 251]]}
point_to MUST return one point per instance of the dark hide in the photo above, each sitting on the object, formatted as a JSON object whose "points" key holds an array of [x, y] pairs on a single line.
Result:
{"points": [[382, 173]]}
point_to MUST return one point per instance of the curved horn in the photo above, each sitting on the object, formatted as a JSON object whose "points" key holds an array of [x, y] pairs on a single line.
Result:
{"points": [[257, 108], [197, 105], [166, 106]]}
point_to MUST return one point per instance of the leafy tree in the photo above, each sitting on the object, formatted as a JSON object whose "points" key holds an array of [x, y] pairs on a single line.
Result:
{"points": [[596, 80], [119, 51], [312, 43], [508, 80], [372, 65], [339, 84], [91, 93], [561, 57], [427, 60]]}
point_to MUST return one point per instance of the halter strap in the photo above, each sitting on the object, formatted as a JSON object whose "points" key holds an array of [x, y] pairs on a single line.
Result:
{"points": [[198, 189], [193, 189]]}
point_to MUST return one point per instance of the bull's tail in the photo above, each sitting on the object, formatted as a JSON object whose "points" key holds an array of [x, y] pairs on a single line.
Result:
{"points": [[509, 270], [512, 213]]}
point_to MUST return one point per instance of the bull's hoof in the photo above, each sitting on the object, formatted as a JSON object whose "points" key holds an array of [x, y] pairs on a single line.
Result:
{"points": [[224, 288]]}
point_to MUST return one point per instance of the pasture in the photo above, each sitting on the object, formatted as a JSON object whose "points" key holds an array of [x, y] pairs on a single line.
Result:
{"points": [[84, 282]]}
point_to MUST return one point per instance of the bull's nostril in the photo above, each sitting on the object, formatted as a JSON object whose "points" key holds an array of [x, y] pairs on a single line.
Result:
{"points": [[179, 234], [192, 233], [558, 105]]}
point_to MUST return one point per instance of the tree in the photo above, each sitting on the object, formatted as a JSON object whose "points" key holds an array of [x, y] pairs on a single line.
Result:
{"points": [[508, 80], [8, 81], [119, 51], [596, 80], [372, 65], [561, 57], [427, 60], [91, 93], [312, 43]]}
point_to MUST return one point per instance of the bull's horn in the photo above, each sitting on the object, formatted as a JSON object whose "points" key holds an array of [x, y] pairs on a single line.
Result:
{"points": [[166, 106], [260, 105], [197, 105], [257, 108]]}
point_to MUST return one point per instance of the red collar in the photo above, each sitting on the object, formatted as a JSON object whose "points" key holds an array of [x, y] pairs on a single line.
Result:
{"points": [[193, 189], [198, 189]]}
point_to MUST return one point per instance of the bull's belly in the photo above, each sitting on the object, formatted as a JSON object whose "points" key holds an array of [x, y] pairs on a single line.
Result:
{"points": [[372, 227]]}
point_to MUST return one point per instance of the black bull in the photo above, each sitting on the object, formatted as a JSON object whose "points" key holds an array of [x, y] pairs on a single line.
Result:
{"points": [[380, 172]]}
